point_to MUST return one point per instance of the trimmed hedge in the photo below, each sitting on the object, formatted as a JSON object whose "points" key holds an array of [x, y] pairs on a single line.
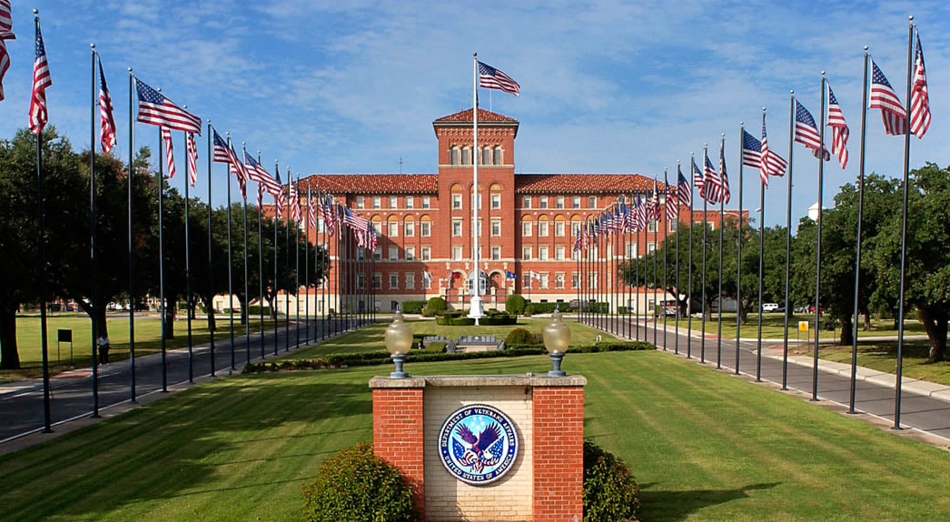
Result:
{"points": [[547, 308], [378, 358], [412, 307], [595, 308], [455, 321], [521, 336], [610, 493], [514, 304], [436, 305], [354, 484]]}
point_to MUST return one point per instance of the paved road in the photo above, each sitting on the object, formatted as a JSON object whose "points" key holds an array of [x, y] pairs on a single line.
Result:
{"points": [[923, 413], [22, 412]]}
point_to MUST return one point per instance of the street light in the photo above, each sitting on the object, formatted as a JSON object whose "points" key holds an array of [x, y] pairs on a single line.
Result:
{"points": [[398, 341], [557, 337]]}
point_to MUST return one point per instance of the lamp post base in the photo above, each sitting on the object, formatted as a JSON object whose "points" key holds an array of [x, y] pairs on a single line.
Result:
{"points": [[556, 371], [475, 310], [398, 360]]}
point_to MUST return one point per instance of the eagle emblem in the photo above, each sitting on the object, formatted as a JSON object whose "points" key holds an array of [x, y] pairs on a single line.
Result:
{"points": [[478, 444]]}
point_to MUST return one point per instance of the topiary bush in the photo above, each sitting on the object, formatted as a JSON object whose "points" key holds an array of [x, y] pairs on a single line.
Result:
{"points": [[412, 307], [436, 305], [521, 336], [354, 484], [610, 492], [514, 304]]}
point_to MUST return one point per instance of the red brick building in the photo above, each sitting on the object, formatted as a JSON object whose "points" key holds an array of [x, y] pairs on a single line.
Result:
{"points": [[528, 221]]}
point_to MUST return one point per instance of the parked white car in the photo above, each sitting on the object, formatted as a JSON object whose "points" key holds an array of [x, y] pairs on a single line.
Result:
{"points": [[769, 307]]}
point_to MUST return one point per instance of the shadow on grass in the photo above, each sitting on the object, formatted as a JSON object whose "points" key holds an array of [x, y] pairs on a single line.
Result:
{"points": [[679, 505]]}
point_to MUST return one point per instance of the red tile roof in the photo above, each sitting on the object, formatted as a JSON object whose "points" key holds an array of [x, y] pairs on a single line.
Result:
{"points": [[581, 183], [373, 183], [483, 115]]}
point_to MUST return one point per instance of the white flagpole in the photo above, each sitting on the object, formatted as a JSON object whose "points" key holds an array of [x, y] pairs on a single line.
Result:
{"points": [[475, 310]]}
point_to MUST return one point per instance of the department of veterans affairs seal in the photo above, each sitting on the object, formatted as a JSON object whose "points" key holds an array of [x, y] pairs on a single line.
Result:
{"points": [[478, 444]]}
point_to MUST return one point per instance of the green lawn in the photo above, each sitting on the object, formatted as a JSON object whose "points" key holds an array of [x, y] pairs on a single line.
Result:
{"points": [[882, 356], [370, 339], [703, 445], [147, 339], [773, 326]]}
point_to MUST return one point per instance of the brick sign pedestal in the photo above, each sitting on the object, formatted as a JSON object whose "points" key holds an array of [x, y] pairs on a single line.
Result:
{"points": [[544, 479]]}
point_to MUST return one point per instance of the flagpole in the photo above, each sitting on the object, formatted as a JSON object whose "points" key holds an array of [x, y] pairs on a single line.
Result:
{"points": [[900, 307], [676, 269], [739, 251], [703, 192], [306, 269], [641, 239], [788, 234], [246, 307], [275, 286], [131, 253], [210, 305], [191, 359], [689, 284], [230, 263], [260, 259], [92, 238], [857, 246], [758, 351], [297, 265], [821, 180], [666, 228], [161, 253], [722, 220], [287, 251]]}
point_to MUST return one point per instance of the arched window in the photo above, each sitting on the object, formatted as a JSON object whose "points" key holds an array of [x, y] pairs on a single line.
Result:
{"points": [[498, 157], [454, 156], [486, 156], [466, 156]]}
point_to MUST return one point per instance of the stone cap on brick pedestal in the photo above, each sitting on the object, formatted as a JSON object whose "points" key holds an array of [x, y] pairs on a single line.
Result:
{"points": [[423, 381]]}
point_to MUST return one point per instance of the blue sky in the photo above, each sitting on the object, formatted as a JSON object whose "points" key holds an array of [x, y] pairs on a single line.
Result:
{"points": [[610, 86]]}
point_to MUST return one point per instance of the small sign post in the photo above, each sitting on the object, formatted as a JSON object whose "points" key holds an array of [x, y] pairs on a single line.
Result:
{"points": [[64, 336], [802, 327]]}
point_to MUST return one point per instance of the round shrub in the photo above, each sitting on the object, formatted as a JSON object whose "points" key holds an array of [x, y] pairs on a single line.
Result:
{"points": [[610, 492], [514, 304], [354, 484], [436, 305], [412, 307], [520, 336]]}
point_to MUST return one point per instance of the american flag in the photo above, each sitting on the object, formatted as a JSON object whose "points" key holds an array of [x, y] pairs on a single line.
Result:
{"points": [[220, 148], [684, 193], [919, 99], [710, 180], [806, 132], [107, 125], [6, 33], [751, 151], [720, 189], [169, 155], [491, 78], [373, 238], [772, 163], [294, 202], [329, 216], [155, 109], [192, 158], [237, 168], [311, 212], [41, 80], [640, 214], [672, 204], [699, 180], [259, 175], [279, 200], [655, 209], [839, 129], [357, 224], [260, 196], [883, 97]]}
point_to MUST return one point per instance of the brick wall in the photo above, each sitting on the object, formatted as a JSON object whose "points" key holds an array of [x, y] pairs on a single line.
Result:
{"points": [[398, 435], [558, 454]]}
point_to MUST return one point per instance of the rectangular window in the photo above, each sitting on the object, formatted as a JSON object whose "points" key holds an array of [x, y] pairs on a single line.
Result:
{"points": [[360, 202], [393, 253], [425, 201], [496, 228], [575, 228], [525, 229], [559, 228], [426, 253], [575, 254], [651, 246], [544, 280], [673, 225], [559, 202], [393, 229], [410, 202], [496, 201], [526, 253], [456, 201], [479, 232], [593, 280], [410, 227], [559, 281], [425, 228], [360, 281], [378, 253], [526, 282], [410, 281], [591, 201], [631, 250], [544, 202], [393, 202], [472, 201], [393, 281], [651, 227], [576, 201], [321, 226], [575, 279], [360, 253], [410, 253], [377, 281], [456, 253], [495, 253], [376, 202], [559, 253], [378, 227], [543, 253], [542, 228], [426, 282], [457, 227], [526, 202]]}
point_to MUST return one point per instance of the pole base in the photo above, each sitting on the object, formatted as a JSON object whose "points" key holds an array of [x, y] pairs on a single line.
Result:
{"points": [[475, 311]]}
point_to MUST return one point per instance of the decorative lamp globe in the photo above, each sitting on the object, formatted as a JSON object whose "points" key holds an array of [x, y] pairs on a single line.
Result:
{"points": [[557, 338], [398, 342]]}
